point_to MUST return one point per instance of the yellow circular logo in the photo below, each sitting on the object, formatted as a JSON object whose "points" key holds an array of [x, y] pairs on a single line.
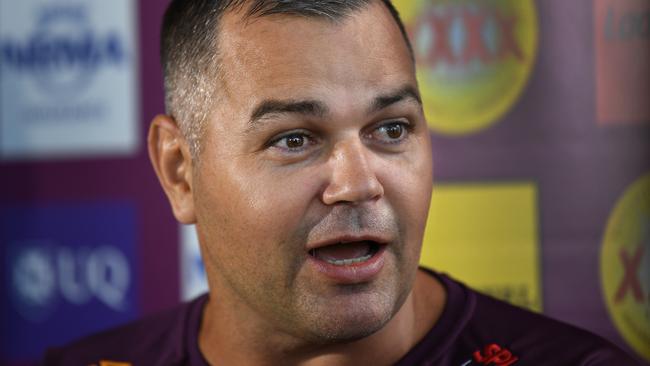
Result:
{"points": [[625, 266], [474, 58]]}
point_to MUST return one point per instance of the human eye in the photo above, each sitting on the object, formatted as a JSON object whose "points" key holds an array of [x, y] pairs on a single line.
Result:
{"points": [[392, 132], [293, 142]]}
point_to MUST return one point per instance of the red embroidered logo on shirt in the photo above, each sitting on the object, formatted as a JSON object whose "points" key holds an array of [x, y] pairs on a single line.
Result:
{"points": [[493, 354]]}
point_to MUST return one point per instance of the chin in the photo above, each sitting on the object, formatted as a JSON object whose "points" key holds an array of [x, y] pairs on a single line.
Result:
{"points": [[348, 332], [353, 320]]}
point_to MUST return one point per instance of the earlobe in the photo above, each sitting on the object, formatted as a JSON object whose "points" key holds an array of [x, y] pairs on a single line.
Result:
{"points": [[172, 161]]}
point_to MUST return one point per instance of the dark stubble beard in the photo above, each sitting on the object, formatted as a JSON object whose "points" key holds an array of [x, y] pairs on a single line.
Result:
{"points": [[310, 316]]}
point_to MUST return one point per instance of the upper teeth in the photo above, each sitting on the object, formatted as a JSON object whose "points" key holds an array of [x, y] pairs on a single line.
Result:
{"points": [[345, 262]]}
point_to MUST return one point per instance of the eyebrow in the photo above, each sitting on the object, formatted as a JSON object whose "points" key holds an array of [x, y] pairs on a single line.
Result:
{"points": [[319, 109], [305, 107], [405, 93]]}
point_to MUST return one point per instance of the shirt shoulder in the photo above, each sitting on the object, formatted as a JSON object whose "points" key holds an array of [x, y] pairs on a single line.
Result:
{"points": [[535, 339], [159, 339], [478, 330]]}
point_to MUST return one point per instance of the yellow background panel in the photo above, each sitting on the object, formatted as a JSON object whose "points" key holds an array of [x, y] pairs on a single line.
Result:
{"points": [[486, 235]]}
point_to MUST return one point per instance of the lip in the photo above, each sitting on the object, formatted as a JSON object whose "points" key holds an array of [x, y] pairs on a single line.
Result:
{"points": [[348, 239], [354, 273]]}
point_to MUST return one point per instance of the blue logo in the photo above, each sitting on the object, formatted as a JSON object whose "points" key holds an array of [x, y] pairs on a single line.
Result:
{"points": [[64, 51], [44, 274], [70, 270], [32, 281]]}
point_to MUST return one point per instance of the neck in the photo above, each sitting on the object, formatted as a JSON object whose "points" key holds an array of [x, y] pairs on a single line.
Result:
{"points": [[223, 339]]}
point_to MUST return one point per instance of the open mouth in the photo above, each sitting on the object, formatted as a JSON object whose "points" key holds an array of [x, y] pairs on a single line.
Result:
{"points": [[346, 254]]}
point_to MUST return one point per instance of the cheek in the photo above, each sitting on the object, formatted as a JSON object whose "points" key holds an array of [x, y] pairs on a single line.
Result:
{"points": [[282, 200], [408, 190], [252, 209]]}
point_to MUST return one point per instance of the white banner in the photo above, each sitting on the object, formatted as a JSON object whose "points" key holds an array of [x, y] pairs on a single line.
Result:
{"points": [[68, 78]]}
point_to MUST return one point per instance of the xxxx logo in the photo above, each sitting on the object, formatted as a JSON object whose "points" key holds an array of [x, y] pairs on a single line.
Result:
{"points": [[625, 266], [439, 45], [473, 57], [630, 282]]}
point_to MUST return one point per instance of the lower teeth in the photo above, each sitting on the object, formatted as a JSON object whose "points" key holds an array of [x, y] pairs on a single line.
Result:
{"points": [[345, 262]]}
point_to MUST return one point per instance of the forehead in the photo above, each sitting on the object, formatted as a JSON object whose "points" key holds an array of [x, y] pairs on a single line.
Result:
{"points": [[287, 56]]}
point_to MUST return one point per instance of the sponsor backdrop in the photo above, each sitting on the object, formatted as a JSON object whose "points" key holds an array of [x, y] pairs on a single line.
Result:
{"points": [[540, 121]]}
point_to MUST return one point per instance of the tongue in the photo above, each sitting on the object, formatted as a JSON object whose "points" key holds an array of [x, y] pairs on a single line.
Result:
{"points": [[343, 251]]}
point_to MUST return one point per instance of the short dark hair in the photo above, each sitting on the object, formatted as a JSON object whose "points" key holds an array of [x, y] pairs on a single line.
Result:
{"points": [[189, 54]]}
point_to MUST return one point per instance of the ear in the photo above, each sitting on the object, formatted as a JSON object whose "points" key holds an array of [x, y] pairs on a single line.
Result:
{"points": [[172, 161]]}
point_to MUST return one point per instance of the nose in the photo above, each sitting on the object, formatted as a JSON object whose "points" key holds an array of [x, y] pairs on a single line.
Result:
{"points": [[352, 177]]}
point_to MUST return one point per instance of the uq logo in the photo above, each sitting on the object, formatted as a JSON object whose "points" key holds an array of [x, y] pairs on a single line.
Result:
{"points": [[63, 52], [43, 276]]}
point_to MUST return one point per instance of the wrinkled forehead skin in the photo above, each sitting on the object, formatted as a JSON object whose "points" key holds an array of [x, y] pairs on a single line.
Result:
{"points": [[266, 57]]}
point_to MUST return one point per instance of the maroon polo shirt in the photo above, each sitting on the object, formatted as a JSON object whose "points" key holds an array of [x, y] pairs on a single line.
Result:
{"points": [[474, 329]]}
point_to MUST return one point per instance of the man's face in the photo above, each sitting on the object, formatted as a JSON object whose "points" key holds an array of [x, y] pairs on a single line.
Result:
{"points": [[315, 176]]}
